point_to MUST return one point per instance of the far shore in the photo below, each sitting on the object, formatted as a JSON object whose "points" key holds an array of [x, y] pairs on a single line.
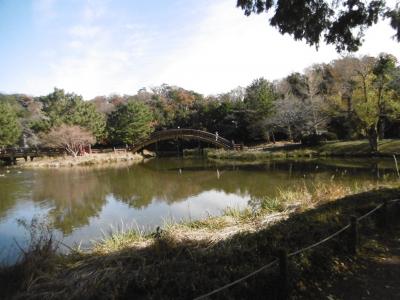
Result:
{"points": [[357, 149], [81, 161]]}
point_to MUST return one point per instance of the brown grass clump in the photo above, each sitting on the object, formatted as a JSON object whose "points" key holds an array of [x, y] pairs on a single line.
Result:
{"points": [[305, 196], [36, 259]]}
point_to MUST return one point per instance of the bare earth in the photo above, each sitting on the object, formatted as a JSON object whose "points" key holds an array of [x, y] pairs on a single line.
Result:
{"points": [[375, 274]]}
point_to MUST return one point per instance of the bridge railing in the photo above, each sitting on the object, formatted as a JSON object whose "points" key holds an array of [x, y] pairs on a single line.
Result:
{"points": [[177, 133], [21, 152]]}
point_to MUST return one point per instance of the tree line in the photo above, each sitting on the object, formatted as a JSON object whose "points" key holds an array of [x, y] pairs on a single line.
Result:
{"points": [[349, 98]]}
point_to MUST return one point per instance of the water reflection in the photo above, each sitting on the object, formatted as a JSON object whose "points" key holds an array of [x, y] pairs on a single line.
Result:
{"points": [[73, 195], [79, 202]]}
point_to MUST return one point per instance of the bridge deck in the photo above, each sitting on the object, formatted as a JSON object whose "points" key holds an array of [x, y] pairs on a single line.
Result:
{"points": [[14, 153], [184, 134]]}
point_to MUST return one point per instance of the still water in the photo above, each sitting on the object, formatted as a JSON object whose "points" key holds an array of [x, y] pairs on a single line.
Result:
{"points": [[83, 204]]}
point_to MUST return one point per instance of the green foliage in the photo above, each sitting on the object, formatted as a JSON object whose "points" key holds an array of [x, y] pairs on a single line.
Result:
{"points": [[298, 86], [316, 139], [15, 101], [373, 96], [259, 100], [130, 122], [10, 128], [259, 97], [68, 108], [329, 136]]}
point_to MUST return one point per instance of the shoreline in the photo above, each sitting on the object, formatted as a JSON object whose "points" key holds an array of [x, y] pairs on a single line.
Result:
{"points": [[80, 161], [337, 149]]}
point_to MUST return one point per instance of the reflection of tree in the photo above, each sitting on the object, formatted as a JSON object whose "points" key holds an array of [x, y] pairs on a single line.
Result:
{"points": [[176, 180], [11, 191], [141, 185], [171, 181], [76, 195]]}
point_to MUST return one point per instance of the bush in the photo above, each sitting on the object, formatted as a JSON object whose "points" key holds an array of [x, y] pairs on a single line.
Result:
{"points": [[316, 139], [329, 136], [312, 139]]}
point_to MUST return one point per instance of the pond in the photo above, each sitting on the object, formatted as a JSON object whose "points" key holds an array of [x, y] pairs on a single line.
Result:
{"points": [[83, 204]]}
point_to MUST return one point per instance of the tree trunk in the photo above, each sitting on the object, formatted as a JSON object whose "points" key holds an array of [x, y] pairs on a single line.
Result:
{"points": [[373, 138], [290, 133], [349, 107], [381, 128], [382, 111]]}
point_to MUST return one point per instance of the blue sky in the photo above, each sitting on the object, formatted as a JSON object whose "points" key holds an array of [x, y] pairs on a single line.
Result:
{"points": [[99, 47]]}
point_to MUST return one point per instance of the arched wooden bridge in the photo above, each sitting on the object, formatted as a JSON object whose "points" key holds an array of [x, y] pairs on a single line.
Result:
{"points": [[10, 155], [193, 134]]}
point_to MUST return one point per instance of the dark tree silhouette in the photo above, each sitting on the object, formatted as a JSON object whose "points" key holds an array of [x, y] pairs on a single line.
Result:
{"points": [[341, 22]]}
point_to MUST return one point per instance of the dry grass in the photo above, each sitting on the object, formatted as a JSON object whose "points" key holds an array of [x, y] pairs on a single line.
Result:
{"points": [[359, 148], [82, 161]]}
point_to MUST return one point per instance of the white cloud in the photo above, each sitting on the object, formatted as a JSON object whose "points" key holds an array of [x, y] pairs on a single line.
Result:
{"points": [[224, 50], [96, 59], [84, 31], [230, 49]]}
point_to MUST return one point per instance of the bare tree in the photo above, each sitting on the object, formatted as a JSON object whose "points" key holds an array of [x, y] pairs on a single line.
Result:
{"points": [[72, 138], [315, 103], [291, 116], [301, 107]]}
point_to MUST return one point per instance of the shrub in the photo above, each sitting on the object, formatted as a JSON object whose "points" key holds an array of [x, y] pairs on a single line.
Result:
{"points": [[329, 136], [316, 139], [312, 139]]}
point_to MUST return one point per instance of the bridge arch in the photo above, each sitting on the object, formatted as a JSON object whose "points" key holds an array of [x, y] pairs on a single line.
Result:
{"points": [[172, 134]]}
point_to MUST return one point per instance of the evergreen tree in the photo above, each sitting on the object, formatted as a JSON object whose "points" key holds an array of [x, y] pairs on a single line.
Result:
{"points": [[130, 122], [68, 108], [10, 128], [259, 101]]}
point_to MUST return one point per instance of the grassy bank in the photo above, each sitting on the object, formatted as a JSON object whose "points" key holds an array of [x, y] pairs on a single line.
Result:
{"points": [[387, 148], [86, 160], [181, 261], [359, 148]]}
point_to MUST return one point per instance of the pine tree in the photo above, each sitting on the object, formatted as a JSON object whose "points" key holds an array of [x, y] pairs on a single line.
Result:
{"points": [[10, 128], [130, 122]]}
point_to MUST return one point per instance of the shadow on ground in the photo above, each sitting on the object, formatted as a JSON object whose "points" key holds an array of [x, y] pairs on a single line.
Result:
{"points": [[172, 268]]}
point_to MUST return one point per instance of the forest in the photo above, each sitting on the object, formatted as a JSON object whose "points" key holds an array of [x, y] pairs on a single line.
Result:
{"points": [[348, 98]]}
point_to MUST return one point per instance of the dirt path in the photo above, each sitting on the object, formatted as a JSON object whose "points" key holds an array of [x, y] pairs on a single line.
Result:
{"points": [[375, 273]]}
